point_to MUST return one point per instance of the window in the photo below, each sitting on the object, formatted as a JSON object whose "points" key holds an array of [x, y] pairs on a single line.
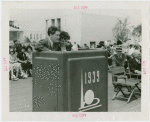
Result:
{"points": [[41, 36], [47, 24], [18, 35], [59, 23], [31, 36], [37, 36], [53, 22]]}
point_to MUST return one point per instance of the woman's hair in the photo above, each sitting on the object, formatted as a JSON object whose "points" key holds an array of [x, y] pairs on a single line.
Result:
{"points": [[52, 30], [11, 50], [29, 47], [23, 48], [64, 35]]}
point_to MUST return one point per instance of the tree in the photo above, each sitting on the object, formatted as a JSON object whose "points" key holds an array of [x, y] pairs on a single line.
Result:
{"points": [[137, 31], [121, 30]]}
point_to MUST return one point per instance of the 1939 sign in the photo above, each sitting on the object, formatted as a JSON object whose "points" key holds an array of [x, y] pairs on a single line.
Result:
{"points": [[92, 77]]}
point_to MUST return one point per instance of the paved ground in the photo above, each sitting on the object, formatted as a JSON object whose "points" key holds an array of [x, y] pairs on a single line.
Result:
{"points": [[21, 98]]}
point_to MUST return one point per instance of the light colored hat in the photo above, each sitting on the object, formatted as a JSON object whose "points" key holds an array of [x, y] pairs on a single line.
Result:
{"points": [[135, 53], [11, 49]]}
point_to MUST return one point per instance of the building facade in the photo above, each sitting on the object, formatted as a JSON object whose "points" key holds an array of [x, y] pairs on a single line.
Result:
{"points": [[84, 27], [15, 33]]}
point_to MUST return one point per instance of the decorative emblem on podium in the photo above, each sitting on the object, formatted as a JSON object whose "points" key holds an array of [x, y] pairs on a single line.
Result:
{"points": [[88, 101]]}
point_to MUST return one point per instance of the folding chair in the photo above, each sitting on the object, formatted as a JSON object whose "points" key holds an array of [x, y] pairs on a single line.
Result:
{"points": [[128, 72], [130, 84], [119, 70]]}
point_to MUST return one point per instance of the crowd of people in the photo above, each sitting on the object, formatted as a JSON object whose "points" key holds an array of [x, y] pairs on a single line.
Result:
{"points": [[20, 60], [126, 56], [21, 54]]}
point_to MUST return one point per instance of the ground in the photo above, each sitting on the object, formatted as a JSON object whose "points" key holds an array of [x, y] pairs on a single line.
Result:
{"points": [[21, 98]]}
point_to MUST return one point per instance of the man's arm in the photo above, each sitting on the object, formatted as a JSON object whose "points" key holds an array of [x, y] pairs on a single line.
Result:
{"points": [[132, 69], [41, 46]]}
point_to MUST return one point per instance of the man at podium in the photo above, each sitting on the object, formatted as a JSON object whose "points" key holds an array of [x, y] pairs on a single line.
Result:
{"points": [[48, 43]]}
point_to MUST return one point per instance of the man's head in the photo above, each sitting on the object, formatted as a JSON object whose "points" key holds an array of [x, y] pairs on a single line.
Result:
{"points": [[53, 33], [108, 48], [23, 49], [15, 41], [136, 54]]}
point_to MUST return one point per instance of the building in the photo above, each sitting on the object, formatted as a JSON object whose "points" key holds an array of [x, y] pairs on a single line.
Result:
{"points": [[15, 33], [84, 27], [35, 36]]}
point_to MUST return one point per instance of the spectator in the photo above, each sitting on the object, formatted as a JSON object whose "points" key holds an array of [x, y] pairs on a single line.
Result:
{"points": [[14, 65], [131, 49], [75, 47], [15, 50], [135, 62], [78, 46], [15, 42], [109, 57], [119, 58], [29, 60], [22, 58], [86, 46]]}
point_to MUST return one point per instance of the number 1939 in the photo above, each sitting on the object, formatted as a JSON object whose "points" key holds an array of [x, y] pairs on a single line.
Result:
{"points": [[92, 77]]}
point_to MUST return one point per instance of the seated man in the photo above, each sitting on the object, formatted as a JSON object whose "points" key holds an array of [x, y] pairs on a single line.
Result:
{"points": [[118, 60], [135, 63]]}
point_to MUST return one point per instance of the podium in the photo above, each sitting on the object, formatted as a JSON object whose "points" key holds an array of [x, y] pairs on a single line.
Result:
{"points": [[70, 81]]}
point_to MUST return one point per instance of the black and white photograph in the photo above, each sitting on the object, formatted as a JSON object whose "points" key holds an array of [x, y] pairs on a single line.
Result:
{"points": [[75, 60]]}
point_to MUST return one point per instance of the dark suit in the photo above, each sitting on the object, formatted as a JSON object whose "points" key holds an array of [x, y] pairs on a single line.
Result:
{"points": [[134, 65], [117, 61], [45, 45]]}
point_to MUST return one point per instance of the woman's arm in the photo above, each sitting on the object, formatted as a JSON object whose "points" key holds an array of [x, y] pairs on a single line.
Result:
{"points": [[20, 61], [13, 61]]}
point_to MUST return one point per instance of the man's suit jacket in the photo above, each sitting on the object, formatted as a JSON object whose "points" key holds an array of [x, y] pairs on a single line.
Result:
{"points": [[45, 45], [117, 61], [134, 65]]}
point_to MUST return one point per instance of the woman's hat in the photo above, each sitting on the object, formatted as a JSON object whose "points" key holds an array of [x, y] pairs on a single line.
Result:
{"points": [[11, 50], [136, 53]]}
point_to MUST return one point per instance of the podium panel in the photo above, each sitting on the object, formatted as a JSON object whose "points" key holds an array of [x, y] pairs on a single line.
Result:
{"points": [[87, 87], [46, 73], [70, 81]]}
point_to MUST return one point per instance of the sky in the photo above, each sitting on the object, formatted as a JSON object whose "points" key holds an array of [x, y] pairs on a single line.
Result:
{"points": [[34, 19]]}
